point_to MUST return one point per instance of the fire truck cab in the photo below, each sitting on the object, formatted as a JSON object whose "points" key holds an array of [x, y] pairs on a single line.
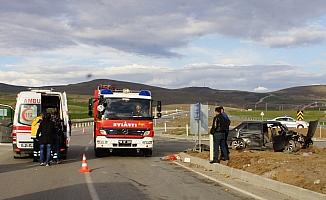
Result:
{"points": [[31, 104], [123, 119]]}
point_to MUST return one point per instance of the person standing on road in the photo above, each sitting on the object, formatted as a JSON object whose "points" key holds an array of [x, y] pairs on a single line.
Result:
{"points": [[227, 130], [45, 134], [36, 146], [218, 130], [57, 137]]}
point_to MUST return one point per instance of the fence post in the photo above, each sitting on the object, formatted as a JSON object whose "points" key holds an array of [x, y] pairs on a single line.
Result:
{"points": [[165, 127], [211, 147]]}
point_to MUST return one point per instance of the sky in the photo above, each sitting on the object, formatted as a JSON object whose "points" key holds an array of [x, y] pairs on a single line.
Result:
{"points": [[252, 45]]}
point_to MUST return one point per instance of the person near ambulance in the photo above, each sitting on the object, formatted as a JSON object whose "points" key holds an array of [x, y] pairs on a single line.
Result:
{"points": [[36, 146], [46, 134], [218, 130], [58, 137], [228, 121]]}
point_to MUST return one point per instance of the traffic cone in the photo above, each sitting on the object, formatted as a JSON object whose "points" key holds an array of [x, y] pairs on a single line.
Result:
{"points": [[84, 168], [172, 157]]}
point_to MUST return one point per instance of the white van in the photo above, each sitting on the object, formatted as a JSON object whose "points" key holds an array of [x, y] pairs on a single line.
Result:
{"points": [[29, 105]]}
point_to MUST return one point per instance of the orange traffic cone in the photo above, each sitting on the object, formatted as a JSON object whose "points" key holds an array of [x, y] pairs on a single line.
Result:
{"points": [[172, 157], [84, 168]]}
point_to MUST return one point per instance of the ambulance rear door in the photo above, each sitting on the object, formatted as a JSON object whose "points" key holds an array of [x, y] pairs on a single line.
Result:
{"points": [[65, 114], [28, 107]]}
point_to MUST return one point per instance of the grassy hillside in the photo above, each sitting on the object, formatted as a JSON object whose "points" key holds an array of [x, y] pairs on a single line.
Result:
{"points": [[284, 101]]}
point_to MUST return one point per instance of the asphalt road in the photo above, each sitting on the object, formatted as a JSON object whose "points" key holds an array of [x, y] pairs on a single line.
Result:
{"points": [[122, 176]]}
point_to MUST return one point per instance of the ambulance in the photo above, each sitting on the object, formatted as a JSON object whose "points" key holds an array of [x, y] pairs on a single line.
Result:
{"points": [[31, 104]]}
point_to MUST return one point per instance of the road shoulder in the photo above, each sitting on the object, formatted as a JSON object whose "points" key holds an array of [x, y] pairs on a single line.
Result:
{"points": [[256, 182]]}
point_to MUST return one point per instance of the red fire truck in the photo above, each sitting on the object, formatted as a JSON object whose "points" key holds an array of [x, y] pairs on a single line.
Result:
{"points": [[123, 119]]}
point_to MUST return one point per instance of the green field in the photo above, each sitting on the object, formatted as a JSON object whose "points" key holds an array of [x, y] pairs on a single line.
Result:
{"points": [[78, 104], [78, 109]]}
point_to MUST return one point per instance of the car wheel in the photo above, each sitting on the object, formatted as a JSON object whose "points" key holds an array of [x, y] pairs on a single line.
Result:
{"points": [[292, 146], [300, 126], [238, 144]]}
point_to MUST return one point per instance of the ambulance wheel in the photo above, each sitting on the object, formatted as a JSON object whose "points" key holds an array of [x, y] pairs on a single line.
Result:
{"points": [[16, 155], [148, 152], [64, 156]]}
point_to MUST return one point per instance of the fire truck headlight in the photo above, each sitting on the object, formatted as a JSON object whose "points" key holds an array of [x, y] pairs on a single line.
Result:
{"points": [[103, 132], [146, 133]]}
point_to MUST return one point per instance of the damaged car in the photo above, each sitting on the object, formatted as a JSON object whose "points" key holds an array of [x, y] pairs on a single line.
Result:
{"points": [[269, 135]]}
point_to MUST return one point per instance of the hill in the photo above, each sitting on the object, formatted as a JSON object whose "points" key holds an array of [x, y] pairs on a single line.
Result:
{"points": [[295, 96]]}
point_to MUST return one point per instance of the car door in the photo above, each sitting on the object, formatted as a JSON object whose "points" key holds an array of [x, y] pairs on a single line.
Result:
{"points": [[251, 133], [6, 122], [291, 123]]}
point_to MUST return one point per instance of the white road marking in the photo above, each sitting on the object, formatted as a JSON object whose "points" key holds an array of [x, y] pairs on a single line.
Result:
{"points": [[91, 188], [90, 185], [221, 182]]}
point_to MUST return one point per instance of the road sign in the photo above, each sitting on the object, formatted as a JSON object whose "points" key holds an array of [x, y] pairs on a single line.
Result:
{"points": [[300, 115], [262, 114], [197, 111]]}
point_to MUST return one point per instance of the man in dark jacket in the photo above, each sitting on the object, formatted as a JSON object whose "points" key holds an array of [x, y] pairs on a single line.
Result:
{"points": [[58, 137], [228, 121], [218, 130], [45, 134]]}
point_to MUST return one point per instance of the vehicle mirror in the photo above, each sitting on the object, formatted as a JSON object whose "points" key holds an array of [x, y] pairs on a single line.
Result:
{"points": [[159, 106], [90, 107]]}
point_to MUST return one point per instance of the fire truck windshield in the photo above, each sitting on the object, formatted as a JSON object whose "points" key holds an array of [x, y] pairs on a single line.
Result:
{"points": [[125, 108]]}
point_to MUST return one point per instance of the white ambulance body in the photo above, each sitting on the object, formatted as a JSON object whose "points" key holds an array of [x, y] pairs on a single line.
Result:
{"points": [[29, 105]]}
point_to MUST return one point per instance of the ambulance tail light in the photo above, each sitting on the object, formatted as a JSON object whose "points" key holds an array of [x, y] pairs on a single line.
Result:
{"points": [[14, 137]]}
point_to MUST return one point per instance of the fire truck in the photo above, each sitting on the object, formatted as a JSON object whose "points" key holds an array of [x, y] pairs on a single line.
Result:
{"points": [[123, 119], [28, 106]]}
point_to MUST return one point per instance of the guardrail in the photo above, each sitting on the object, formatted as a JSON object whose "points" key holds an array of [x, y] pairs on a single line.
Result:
{"points": [[78, 123]]}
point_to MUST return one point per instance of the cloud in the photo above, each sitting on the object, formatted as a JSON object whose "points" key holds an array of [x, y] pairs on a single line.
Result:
{"points": [[296, 36], [208, 75], [155, 28], [260, 89]]}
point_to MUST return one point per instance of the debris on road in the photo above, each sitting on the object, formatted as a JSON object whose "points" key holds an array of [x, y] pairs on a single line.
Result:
{"points": [[171, 157]]}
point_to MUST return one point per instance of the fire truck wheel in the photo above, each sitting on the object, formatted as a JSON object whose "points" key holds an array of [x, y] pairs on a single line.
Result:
{"points": [[99, 153], [148, 152]]}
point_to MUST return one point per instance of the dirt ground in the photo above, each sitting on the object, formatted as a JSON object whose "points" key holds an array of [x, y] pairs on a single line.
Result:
{"points": [[306, 168]]}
